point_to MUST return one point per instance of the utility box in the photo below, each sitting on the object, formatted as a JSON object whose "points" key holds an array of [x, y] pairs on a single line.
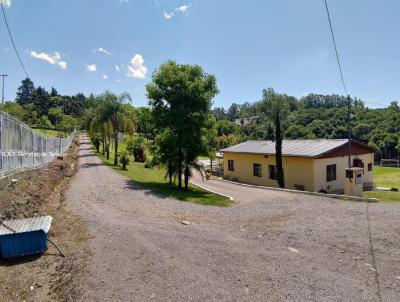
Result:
{"points": [[354, 181]]}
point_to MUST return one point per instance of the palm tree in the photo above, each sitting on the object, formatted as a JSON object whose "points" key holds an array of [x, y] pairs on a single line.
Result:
{"points": [[117, 116]]}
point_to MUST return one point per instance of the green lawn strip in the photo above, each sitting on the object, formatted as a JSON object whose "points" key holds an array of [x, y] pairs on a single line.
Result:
{"points": [[47, 132], [154, 179], [386, 178], [385, 196]]}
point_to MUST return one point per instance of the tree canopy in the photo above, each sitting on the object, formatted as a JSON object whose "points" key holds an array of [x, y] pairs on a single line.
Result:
{"points": [[180, 97]]}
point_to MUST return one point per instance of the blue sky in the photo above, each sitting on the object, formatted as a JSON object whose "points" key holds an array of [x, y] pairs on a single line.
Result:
{"points": [[75, 45]]}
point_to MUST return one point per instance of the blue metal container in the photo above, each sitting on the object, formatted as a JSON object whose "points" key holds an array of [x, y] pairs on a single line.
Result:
{"points": [[24, 236]]}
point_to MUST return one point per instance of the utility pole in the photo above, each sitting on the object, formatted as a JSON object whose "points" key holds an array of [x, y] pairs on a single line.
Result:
{"points": [[349, 127], [2, 91]]}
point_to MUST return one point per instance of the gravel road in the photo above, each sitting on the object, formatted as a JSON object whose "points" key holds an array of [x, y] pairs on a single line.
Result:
{"points": [[273, 246]]}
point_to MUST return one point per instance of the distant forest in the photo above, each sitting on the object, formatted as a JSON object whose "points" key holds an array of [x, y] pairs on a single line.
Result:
{"points": [[311, 117]]}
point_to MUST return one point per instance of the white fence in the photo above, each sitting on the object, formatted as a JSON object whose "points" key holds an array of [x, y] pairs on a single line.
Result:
{"points": [[22, 148]]}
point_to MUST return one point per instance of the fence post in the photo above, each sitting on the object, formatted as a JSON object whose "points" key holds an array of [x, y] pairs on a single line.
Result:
{"points": [[33, 149], [1, 142]]}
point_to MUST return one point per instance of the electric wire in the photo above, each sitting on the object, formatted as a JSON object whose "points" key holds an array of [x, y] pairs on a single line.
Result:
{"points": [[334, 44], [12, 40]]}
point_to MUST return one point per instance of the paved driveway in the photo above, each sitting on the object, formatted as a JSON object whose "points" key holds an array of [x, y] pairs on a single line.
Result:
{"points": [[273, 247]]}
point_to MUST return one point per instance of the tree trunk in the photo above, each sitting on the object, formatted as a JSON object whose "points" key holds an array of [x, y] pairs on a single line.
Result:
{"points": [[278, 149], [116, 149], [180, 171], [103, 136], [108, 151], [186, 177], [170, 173]]}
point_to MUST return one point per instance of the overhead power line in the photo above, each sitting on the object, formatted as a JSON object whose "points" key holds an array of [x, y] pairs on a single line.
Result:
{"points": [[12, 40], [334, 44]]}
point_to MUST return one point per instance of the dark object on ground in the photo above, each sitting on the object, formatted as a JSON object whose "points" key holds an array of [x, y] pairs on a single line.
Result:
{"points": [[323, 191], [394, 189], [300, 187]]}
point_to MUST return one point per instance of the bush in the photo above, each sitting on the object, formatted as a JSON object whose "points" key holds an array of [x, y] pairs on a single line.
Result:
{"points": [[150, 163], [137, 147], [124, 159], [208, 174]]}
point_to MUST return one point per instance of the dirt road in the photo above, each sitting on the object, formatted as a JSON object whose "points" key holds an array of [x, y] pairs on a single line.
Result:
{"points": [[278, 247]]}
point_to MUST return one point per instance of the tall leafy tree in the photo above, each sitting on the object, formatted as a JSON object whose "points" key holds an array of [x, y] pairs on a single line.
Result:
{"points": [[25, 92], [181, 98], [278, 148], [42, 101]]}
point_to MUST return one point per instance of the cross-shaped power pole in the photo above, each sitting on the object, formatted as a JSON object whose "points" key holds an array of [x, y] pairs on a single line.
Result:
{"points": [[2, 91]]}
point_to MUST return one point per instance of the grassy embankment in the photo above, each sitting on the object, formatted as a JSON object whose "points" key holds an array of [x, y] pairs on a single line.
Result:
{"points": [[386, 178], [154, 179], [47, 132]]}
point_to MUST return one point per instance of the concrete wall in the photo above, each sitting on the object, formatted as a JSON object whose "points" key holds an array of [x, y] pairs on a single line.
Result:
{"points": [[308, 172]]}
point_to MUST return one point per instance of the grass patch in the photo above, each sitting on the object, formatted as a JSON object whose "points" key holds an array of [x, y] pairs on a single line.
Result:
{"points": [[154, 179], [48, 132], [386, 178]]}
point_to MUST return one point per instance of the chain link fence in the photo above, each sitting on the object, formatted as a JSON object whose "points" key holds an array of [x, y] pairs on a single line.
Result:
{"points": [[22, 148]]}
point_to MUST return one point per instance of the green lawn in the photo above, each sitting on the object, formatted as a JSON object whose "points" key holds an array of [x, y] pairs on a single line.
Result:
{"points": [[155, 180], [386, 178], [47, 132]]}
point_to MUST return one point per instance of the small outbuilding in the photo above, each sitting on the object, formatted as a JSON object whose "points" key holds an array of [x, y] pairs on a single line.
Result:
{"points": [[310, 165]]}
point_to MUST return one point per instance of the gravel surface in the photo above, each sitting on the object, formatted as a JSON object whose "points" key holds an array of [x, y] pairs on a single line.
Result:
{"points": [[272, 246]]}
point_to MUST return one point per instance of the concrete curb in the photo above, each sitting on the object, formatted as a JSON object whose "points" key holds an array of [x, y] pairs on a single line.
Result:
{"points": [[208, 190], [336, 196]]}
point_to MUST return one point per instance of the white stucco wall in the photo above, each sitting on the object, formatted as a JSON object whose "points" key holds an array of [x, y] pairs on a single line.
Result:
{"points": [[341, 165]]}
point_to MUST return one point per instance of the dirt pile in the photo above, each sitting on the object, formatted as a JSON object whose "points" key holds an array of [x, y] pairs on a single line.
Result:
{"points": [[30, 197]]}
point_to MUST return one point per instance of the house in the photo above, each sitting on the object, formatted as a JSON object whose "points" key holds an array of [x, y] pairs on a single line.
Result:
{"points": [[253, 120], [311, 165]]}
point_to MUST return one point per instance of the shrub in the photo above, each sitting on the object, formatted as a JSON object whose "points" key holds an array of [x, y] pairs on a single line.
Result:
{"points": [[124, 159], [137, 147], [208, 174], [150, 163]]}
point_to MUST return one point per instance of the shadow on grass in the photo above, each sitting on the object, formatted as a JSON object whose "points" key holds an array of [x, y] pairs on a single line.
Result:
{"points": [[165, 190]]}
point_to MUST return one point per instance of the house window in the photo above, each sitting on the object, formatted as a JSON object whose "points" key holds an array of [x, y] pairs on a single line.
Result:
{"points": [[330, 172], [257, 170], [358, 163], [231, 165], [271, 172], [370, 167]]}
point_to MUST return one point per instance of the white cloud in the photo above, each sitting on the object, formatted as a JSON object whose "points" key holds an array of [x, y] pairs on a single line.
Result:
{"points": [[137, 69], [183, 8], [117, 68], [91, 67], [101, 49], [54, 60], [104, 76], [6, 2], [168, 15], [117, 80]]}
